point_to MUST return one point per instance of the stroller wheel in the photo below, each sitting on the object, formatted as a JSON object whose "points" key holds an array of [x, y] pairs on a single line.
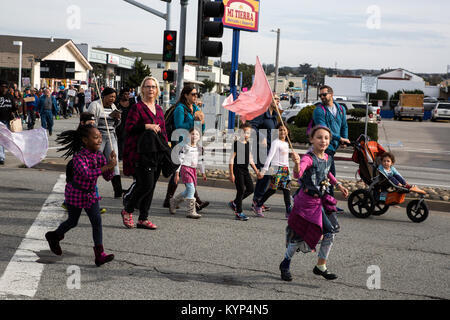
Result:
{"points": [[361, 204], [380, 208], [417, 213]]}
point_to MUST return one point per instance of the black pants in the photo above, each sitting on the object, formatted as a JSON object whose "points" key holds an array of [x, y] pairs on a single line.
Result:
{"points": [[286, 195], [244, 187], [142, 193], [74, 215], [332, 168]]}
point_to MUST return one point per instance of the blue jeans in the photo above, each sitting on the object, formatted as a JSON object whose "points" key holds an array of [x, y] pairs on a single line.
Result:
{"points": [[189, 192], [47, 120]]}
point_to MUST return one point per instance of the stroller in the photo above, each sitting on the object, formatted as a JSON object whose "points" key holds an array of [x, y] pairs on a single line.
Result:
{"points": [[381, 192]]}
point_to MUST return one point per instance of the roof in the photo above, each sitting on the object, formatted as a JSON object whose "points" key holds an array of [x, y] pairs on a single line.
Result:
{"points": [[143, 55], [40, 48]]}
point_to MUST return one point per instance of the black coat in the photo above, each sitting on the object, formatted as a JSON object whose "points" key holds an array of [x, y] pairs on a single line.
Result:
{"points": [[154, 151]]}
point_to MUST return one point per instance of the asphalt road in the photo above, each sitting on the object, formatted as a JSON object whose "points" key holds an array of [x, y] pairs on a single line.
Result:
{"points": [[215, 257]]}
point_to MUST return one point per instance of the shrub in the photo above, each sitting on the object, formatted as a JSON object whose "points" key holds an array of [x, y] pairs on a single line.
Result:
{"points": [[358, 113], [380, 95], [298, 134], [304, 116], [356, 128]]}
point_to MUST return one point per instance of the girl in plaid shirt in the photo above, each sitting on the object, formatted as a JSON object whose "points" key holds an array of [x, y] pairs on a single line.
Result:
{"points": [[89, 163]]}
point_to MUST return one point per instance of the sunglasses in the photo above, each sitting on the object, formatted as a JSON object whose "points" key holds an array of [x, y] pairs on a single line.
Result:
{"points": [[194, 94], [323, 94]]}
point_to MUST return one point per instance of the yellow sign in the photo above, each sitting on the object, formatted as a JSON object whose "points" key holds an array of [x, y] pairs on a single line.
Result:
{"points": [[241, 14]]}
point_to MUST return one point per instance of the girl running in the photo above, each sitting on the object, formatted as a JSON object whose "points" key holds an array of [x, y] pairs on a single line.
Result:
{"points": [[308, 221], [88, 163], [190, 157]]}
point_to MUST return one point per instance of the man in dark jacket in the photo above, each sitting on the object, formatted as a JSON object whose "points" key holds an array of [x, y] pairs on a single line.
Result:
{"points": [[47, 109], [7, 109]]}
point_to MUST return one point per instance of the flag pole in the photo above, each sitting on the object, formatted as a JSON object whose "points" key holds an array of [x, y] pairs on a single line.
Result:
{"points": [[103, 111], [282, 122]]}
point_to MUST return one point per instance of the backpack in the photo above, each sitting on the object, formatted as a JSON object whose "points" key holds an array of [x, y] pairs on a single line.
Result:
{"points": [[311, 123], [169, 119]]}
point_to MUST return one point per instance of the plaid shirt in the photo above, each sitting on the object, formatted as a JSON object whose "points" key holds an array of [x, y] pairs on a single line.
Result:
{"points": [[86, 166], [137, 118]]}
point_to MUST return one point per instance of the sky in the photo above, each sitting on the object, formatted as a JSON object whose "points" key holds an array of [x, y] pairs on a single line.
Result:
{"points": [[347, 34]]}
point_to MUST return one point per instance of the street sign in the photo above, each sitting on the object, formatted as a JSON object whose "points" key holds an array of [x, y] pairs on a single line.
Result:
{"points": [[369, 84], [241, 15]]}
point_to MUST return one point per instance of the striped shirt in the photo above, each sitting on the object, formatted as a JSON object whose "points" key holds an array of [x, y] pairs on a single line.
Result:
{"points": [[81, 192], [96, 109]]}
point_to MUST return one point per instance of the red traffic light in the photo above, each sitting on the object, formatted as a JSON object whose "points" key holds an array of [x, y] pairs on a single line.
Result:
{"points": [[169, 75], [169, 37]]}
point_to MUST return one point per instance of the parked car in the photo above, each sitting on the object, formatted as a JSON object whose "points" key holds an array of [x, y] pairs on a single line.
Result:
{"points": [[289, 115], [410, 106], [441, 111], [429, 103], [284, 96], [374, 109]]}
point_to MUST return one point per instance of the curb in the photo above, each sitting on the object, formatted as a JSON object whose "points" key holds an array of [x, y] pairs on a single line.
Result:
{"points": [[435, 205]]}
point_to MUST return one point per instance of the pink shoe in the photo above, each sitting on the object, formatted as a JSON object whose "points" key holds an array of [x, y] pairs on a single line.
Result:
{"points": [[127, 219], [146, 224], [258, 211], [100, 256]]}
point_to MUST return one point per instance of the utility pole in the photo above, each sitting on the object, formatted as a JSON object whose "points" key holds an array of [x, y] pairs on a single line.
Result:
{"points": [[275, 82], [19, 43], [181, 46], [165, 16]]}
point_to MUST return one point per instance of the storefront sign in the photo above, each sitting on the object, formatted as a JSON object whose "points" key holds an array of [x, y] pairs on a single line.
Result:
{"points": [[113, 59], [241, 14]]}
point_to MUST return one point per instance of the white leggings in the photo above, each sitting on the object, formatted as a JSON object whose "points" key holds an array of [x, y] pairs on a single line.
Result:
{"points": [[324, 251]]}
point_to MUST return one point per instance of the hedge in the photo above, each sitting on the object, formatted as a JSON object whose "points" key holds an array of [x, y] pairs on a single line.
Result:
{"points": [[355, 129]]}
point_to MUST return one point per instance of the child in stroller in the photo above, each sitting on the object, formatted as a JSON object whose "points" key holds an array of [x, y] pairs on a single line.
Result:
{"points": [[386, 167]]}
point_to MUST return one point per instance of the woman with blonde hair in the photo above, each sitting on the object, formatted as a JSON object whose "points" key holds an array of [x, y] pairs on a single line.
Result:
{"points": [[144, 115]]}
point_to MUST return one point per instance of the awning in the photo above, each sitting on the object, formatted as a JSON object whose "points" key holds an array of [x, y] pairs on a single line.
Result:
{"points": [[193, 81]]}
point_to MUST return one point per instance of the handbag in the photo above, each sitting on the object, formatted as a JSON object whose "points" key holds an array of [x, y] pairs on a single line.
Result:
{"points": [[16, 125]]}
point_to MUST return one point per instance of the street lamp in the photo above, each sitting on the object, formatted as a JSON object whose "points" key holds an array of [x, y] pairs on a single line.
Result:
{"points": [[19, 43], [276, 59]]}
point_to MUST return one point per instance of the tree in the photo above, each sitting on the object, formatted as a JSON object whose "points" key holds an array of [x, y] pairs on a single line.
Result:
{"points": [[305, 68], [140, 71], [208, 85]]}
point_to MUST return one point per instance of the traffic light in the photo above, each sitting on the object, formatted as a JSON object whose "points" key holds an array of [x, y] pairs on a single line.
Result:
{"points": [[169, 75], [206, 29], [169, 46]]}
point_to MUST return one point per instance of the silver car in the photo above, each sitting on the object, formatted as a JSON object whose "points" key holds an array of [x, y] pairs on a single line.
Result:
{"points": [[441, 111]]}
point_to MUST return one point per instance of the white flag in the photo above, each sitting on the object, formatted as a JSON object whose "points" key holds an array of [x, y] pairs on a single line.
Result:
{"points": [[28, 146]]}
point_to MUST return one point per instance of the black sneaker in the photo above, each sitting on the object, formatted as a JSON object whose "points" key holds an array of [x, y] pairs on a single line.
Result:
{"points": [[2, 162], [326, 274], [285, 274], [199, 207]]}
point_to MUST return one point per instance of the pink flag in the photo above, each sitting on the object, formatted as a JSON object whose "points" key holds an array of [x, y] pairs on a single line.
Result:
{"points": [[28, 146], [254, 102]]}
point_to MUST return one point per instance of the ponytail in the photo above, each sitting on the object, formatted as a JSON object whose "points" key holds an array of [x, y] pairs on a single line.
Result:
{"points": [[72, 140]]}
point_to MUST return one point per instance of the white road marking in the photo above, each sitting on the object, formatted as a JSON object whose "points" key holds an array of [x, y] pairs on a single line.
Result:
{"points": [[23, 273]]}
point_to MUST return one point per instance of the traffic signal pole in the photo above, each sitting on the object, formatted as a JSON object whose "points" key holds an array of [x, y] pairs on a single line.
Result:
{"points": [[181, 47], [165, 16], [234, 68]]}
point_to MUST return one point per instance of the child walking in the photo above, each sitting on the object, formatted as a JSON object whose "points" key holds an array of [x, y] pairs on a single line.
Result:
{"points": [[190, 157], [240, 158], [278, 158], [88, 163], [308, 221]]}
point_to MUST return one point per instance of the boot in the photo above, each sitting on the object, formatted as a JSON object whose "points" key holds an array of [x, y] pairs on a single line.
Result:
{"points": [[191, 210], [117, 186], [199, 204], [174, 202], [100, 256], [171, 188], [53, 241]]}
